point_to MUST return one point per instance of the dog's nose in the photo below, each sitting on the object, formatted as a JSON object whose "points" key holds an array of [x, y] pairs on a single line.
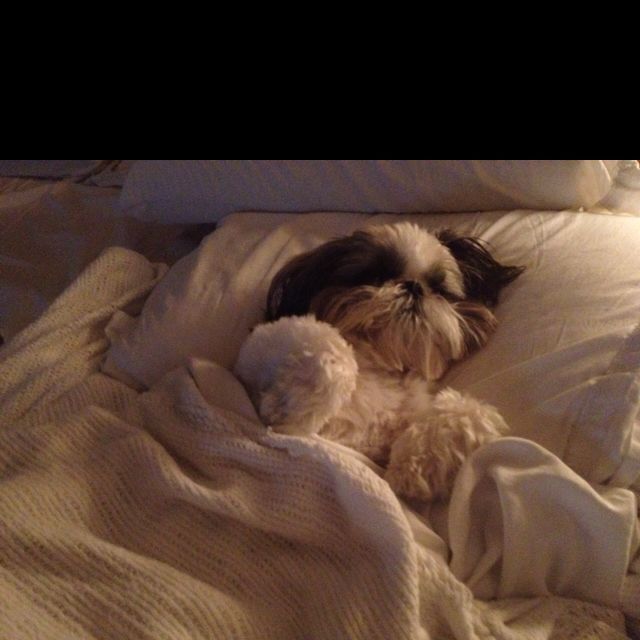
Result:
{"points": [[412, 287]]}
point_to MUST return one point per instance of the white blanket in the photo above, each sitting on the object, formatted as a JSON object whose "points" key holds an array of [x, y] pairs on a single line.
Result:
{"points": [[174, 514], [523, 523]]}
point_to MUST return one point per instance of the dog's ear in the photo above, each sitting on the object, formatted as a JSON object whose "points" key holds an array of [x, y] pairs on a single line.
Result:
{"points": [[351, 261], [484, 277], [293, 286]]}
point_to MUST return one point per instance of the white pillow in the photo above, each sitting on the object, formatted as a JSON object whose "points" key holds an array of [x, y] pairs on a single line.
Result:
{"points": [[624, 195], [563, 366], [189, 191]]}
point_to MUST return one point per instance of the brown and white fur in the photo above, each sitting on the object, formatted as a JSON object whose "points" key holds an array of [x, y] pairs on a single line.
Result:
{"points": [[357, 333]]}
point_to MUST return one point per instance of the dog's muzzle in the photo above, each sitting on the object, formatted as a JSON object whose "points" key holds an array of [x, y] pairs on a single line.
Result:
{"points": [[413, 288]]}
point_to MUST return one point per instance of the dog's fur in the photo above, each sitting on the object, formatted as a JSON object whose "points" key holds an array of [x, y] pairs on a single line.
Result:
{"points": [[357, 333]]}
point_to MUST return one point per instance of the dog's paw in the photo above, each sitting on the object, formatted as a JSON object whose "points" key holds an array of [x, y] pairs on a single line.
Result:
{"points": [[427, 456], [299, 373]]}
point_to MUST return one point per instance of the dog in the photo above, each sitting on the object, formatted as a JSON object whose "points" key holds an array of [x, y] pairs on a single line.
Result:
{"points": [[357, 334]]}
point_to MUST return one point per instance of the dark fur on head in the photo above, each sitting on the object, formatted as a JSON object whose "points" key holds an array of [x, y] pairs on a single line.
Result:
{"points": [[344, 262], [355, 260], [484, 277]]}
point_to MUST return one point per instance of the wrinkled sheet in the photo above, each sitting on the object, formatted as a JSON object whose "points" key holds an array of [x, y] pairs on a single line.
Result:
{"points": [[174, 514], [523, 523]]}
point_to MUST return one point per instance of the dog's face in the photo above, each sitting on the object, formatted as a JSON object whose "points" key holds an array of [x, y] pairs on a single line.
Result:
{"points": [[412, 300]]}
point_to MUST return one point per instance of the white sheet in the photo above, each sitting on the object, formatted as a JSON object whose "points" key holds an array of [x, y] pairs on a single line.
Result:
{"points": [[522, 523], [173, 514]]}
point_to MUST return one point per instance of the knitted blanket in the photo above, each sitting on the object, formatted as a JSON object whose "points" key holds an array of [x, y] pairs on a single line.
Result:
{"points": [[174, 514]]}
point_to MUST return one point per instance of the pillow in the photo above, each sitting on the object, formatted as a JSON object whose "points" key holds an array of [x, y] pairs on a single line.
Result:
{"points": [[189, 191], [624, 195], [563, 366]]}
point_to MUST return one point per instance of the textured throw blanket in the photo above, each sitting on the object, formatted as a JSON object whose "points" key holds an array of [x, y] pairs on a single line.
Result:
{"points": [[174, 514]]}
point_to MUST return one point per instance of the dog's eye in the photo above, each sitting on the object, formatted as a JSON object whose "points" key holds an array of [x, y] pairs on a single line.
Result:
{"points": [[436, 281]]}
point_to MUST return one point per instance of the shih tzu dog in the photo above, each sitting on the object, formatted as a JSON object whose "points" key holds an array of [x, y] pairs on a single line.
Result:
{"points": [[357, 333]]}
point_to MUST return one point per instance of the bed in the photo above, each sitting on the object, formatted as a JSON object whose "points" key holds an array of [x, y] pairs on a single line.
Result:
{"points": [[141, 496]]}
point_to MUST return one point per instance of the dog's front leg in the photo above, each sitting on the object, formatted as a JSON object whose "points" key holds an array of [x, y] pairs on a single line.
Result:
{"points": [[427, 456]]}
